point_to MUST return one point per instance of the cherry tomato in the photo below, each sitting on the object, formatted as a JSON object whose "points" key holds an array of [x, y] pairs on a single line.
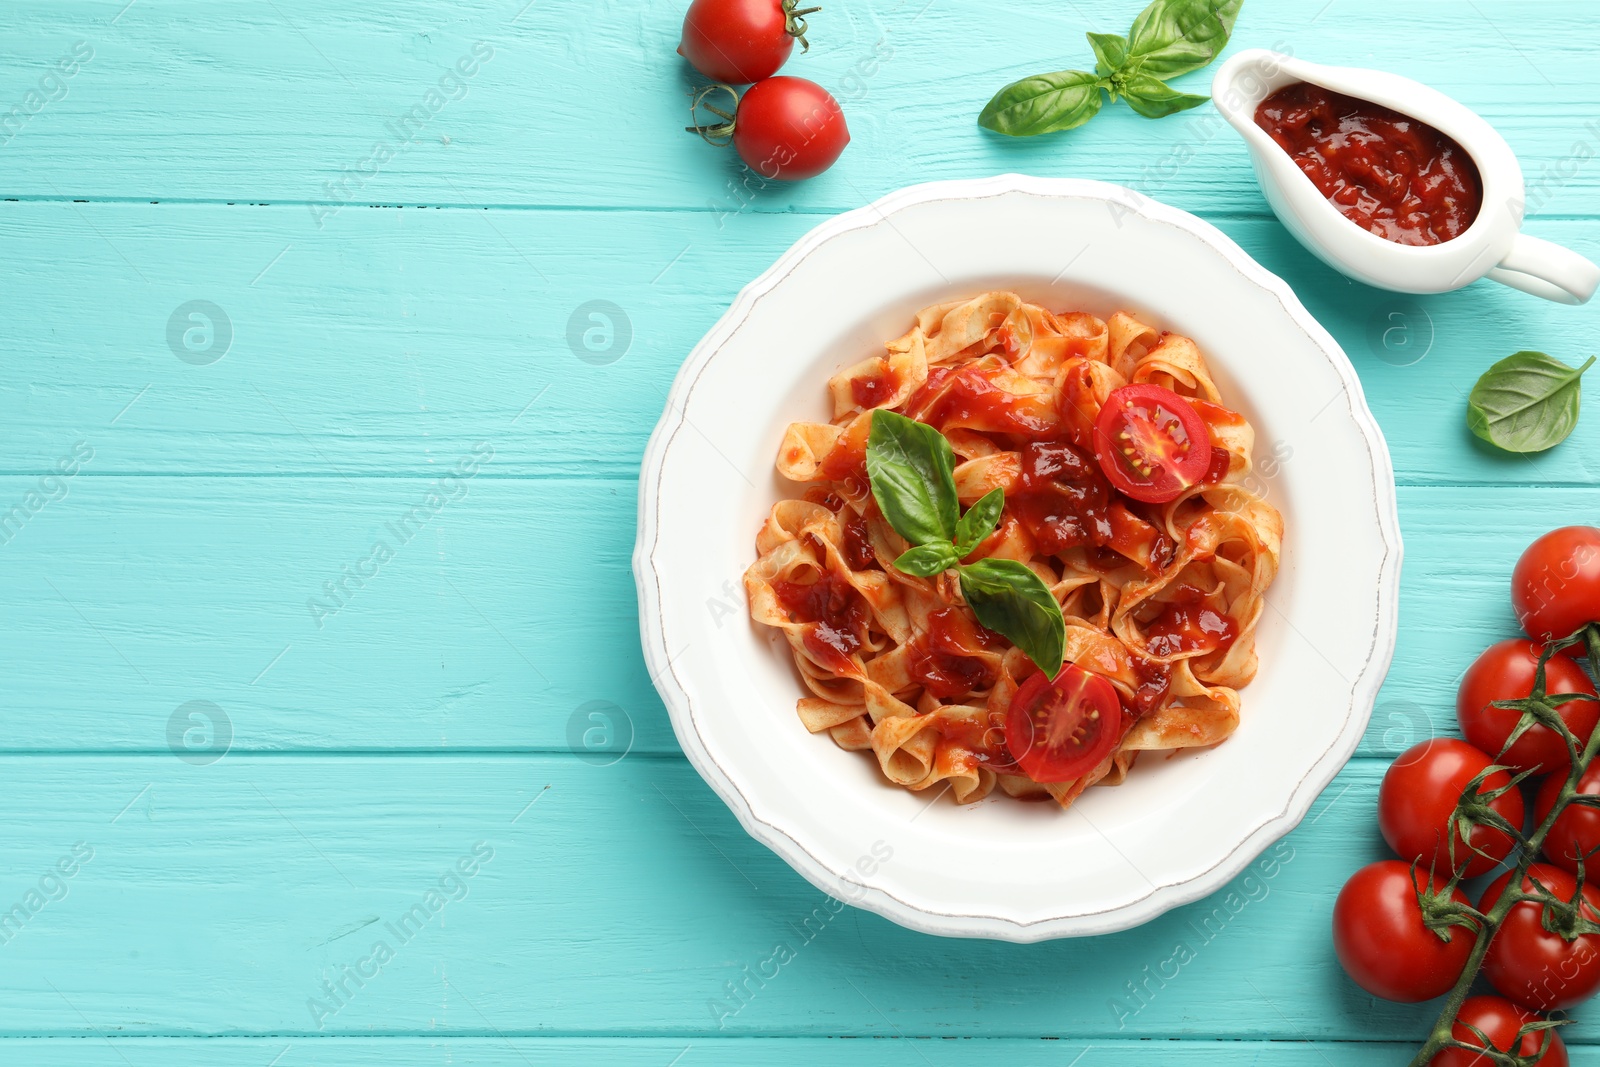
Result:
{"points": [[1061, 730], [1382, 943], [1533, 966], [1419, 795], [1576, 831], [1505, 672], [741, 41], [1555, 587], [1151, 443], [1499, 1020], [789, 128]]}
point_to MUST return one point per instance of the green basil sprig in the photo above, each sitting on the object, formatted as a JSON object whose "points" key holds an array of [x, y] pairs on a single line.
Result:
{"points": [[1169, 38], [1527, 402], [913, 480]]}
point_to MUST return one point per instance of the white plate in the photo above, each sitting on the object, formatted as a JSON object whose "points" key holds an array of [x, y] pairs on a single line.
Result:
{"points": [[1179, 828]]}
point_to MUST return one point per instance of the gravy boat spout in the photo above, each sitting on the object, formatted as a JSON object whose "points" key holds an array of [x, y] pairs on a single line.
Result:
{"points": [[1492, 246]]}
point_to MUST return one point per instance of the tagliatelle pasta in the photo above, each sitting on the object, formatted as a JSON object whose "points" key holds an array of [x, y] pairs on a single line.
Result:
{"points": [[1162, 600]]}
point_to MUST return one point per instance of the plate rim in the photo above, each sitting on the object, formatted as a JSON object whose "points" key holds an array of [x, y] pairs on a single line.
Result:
{"points": [[1162, 898]]}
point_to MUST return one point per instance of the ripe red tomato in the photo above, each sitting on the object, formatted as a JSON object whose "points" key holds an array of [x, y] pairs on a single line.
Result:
{"points": [[1499, 1020], [1060, 730], [1151, 443], [1381, 942], [1555, 587], [1576, 831], [1533, 966], [789, 128], [1505, 672], [741, 41], [1419, 795]]}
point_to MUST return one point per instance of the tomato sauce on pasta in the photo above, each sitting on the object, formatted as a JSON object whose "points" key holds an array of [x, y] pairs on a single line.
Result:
{"points": [[1162, 600]]}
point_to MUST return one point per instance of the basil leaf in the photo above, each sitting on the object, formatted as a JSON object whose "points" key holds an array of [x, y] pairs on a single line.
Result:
{"points": [[1172, 37], [979, 522], [913, 481], [1044, 103], [1010, 599], [1154, 99], [930, 559], [1110, 52], [1527, 402]]}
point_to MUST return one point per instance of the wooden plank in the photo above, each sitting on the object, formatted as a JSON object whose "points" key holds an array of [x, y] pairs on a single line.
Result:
{"points": [[447, 624], [289, 104], [499, 622], [736, 1052], [399, 343], [618, 901]]}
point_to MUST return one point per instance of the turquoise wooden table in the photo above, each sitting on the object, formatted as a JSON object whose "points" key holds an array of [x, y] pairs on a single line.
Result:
{"points": [[318, 499]]}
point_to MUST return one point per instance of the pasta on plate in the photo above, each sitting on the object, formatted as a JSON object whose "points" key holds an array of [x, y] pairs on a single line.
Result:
{"points": [[1161, 600]]}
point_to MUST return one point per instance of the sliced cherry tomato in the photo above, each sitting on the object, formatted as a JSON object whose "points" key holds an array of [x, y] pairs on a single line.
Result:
{"points": [[789, 128], [1418, 797], [1382, 943], [1555, 588], [1505, 672], [1061, 730], [741, 41], [1576, 832], [1499, 1020], [1533, 966], [1151, 443]]}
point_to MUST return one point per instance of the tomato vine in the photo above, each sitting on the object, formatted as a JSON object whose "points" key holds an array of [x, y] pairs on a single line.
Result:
{"points": [[1565, 918]]}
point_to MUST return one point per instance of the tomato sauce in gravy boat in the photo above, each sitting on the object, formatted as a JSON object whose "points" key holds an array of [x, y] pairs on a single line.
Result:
{"points": [[1492, 246]]}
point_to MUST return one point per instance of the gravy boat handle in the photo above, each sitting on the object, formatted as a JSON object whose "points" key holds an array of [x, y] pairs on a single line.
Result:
{"points": [[1546, 269]]}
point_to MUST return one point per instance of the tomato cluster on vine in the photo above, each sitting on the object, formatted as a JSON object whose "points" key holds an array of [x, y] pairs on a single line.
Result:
{"points": [[783, 128], [1453, 810]]}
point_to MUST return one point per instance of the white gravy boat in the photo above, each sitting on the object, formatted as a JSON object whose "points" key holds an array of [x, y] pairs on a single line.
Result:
{"points": [[1493, 246]]}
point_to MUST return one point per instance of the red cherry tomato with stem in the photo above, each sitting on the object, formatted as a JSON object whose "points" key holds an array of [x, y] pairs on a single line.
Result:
{"points": [[1576, 832], [1151, 443], [742, 41], [1505, 672], [784, 128], [1060, 730], [1418, 798], [1499, 1020], [1555, 587], [1384, 945], [1533, 966]]}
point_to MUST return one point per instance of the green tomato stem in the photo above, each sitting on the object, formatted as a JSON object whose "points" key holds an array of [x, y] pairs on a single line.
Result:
{"points": [[715, 133], [794, 22]]}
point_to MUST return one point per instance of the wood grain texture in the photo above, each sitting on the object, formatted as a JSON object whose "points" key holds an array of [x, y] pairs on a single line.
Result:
{"points": [[390, 320], [619, 901], [738, 1052], [396, 344], [584, 103]]}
